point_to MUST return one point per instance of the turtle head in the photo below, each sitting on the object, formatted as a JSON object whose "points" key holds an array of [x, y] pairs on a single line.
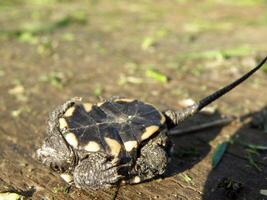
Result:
{"points": [[57, 154]]}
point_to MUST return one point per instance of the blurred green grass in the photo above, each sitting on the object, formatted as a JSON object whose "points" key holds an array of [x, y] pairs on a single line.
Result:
{"points": [[29, 29], [37, 27]]}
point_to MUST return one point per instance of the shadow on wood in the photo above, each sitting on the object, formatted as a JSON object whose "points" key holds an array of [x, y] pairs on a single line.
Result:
{"points": [[241, 164], [189, 149]]}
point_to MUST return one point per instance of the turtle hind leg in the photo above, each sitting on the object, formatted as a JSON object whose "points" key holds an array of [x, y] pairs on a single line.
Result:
{"points": [[97, 171], [153, 159]]}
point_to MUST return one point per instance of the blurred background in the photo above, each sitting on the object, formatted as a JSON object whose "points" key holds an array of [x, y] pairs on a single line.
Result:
{"points": [[166, 52]]}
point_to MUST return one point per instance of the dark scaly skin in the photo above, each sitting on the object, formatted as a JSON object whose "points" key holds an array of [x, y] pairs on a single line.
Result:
{"points": [[153, 159], [55, 152], [96, 171]]}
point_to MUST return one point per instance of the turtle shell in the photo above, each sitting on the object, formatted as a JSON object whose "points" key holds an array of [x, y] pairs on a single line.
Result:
{"points": [[113, 126]]}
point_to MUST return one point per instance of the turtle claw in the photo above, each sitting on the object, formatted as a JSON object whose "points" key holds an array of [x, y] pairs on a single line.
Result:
{"points": [[97, 172]]}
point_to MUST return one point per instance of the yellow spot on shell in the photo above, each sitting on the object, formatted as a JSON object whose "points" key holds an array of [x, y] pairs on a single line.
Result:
{"points": [[162, 119], [129, 145], [92, 147], [124, 100], [100, 104], [114, 146], [69, 112], [62, 123], [149, 131], [87, 107], [72, 139]]}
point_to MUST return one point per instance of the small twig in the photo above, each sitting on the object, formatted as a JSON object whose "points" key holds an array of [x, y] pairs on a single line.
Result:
{"points": [[192, 129], [115, 194]]}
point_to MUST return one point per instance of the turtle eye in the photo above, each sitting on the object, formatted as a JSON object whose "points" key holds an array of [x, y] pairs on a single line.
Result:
{"points": [[58, 167], [54, 167]]}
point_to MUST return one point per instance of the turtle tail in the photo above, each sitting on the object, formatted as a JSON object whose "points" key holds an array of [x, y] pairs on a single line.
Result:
{"points": [[174, 117]]}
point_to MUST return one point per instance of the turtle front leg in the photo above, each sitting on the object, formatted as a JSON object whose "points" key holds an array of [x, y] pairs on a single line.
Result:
{"points": [[153, 159], [97, 171]]}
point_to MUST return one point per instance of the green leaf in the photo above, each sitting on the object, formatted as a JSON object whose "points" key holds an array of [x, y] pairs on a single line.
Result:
{"points": [[186, 178], [28, 37], [56, 79], [156, 75], [252, 146], [147, 43], [64, 190], [68, 37], [218, 153], [98, 91], [258, 147]]}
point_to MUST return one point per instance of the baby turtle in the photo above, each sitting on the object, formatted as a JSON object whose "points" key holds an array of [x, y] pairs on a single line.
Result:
{"points": [[118, 140]]}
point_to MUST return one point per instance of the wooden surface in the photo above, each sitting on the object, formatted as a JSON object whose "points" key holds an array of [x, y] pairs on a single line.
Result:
{"points": [[109, 54]]}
